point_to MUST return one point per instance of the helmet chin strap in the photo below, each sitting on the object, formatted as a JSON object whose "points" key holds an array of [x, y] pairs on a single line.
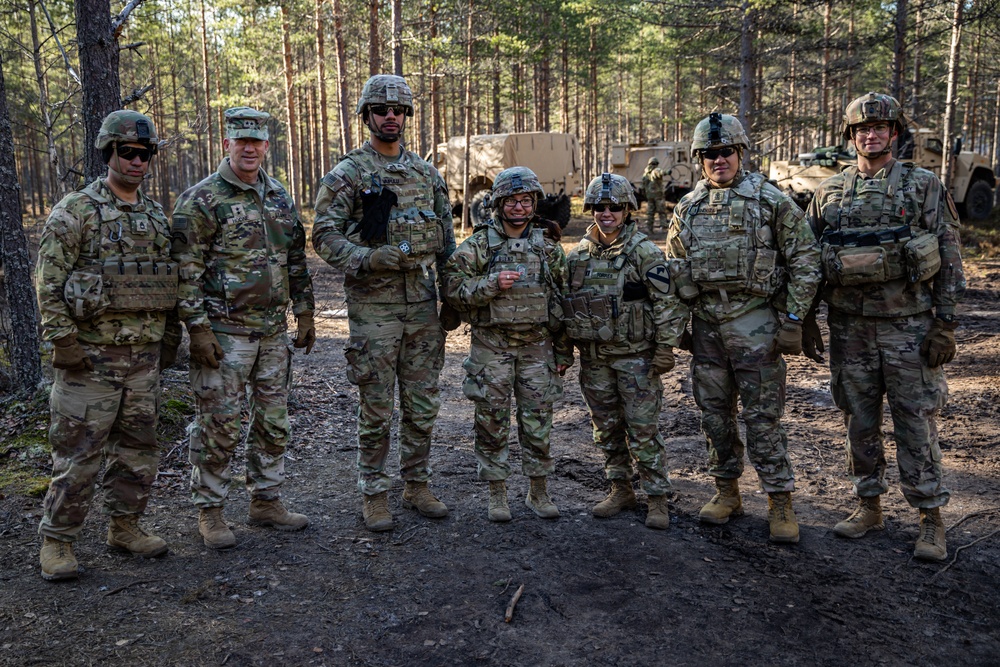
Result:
{"points": [[125, 178], [379, 134], [867, 154]]}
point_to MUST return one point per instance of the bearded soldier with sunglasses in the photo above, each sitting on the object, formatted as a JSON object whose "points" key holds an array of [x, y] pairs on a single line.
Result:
{"points": [[105, 286], [384, 219], [747, 268], [893, 267]]}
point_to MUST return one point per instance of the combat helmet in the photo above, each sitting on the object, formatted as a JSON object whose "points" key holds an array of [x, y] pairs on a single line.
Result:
{"points": [[127, 126], [516, 180], [653, 162], [870, 108], [718, 129], [610, 187], [386, 89]]}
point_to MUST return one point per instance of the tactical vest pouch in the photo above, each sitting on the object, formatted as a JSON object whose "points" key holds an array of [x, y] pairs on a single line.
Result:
{"points": [[144, 285], [923, 258], [520, 305], [862, 265], [640, 321], [719, 267], [422, 236], [767, 275], [85, 294]]}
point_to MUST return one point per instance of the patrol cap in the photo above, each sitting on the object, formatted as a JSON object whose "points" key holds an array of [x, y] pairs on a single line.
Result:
{"points": [[244, 122]]}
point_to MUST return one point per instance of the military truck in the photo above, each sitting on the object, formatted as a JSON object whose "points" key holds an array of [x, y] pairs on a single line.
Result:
{"points": [[973, 181], [629, 160], [553, 156]]}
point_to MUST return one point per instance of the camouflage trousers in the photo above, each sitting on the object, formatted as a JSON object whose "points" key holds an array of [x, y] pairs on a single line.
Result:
{"points": [[731, 360], [497, 368], [872, 357], [624, 403], [393, 343], [656, 208], [111, 410], [265, 365]]}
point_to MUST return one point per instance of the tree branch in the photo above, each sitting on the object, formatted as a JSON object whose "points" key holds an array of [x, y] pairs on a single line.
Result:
{"points": [[52, 27], [134, 46], [137, 94], [118, 22]]}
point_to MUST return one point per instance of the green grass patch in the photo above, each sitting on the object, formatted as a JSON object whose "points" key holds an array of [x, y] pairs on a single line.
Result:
{"points": [[981, 238]]}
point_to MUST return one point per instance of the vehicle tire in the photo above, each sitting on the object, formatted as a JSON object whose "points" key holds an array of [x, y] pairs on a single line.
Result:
{"points": [[478, 214], [555, 208], [978, 202]]}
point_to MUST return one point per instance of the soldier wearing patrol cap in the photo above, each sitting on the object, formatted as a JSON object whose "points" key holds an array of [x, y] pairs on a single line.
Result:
{"points": [[508, 277], [240, 247], [893, 269], [105, 285], [618, 310], [747, 267], [384, 219]]}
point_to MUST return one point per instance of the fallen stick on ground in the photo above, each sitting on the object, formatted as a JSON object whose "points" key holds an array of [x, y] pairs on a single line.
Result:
{"points": [[513, 603], [972, 515], [964, 546]]}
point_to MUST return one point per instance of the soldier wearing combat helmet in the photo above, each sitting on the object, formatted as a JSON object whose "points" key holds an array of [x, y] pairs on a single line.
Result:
{"points": [[619, 311], [508, 278], [241, 249], [893, 275], [747, 267], [383, 218], [105, 286], [652, 189]]}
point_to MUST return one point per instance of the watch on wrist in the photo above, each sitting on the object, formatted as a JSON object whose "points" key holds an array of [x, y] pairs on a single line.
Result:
{"points": [[793, 317]]}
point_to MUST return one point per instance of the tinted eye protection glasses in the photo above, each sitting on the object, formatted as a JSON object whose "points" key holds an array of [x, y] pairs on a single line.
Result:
{"points": [[383, 110], [614, 208], [715, 153], [131, 152]]}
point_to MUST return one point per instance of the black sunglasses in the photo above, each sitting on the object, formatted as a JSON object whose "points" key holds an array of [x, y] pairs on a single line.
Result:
{"points": [[131, 152], [713, 153], [383, 109], [614, 208]]}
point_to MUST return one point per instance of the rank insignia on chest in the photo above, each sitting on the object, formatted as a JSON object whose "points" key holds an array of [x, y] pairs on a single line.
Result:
{"points": [[718, 197], [238, 211], [140, 225], [870, 185], [517, 246]]}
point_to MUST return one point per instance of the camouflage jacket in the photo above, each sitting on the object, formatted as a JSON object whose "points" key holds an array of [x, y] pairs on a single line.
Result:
{"points": [[81, 230], [643, 264], [241, 258], [652, 183], [921, 203], [471, 282], [772, 244], [422, 208]]}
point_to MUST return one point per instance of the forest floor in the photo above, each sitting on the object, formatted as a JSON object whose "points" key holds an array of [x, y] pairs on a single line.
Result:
{"points": [[596, 592]]}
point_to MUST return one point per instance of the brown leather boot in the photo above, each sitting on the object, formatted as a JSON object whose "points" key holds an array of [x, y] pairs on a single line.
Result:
{"points": [[124, 532], [725, 503], [538, 500], [57, 560], [621, 497], [214, 531], [931, 544], [868, 516], [272, 513], [376, 512], [417, 496], [781, 517], [658, 515], [498, 508]]}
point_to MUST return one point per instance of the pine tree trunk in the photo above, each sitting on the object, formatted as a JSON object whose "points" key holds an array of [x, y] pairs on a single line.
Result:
{"points": [[98, 51], [292, 128], [899, 51], [949, 103], [207, 91], [324, 117], [374, 57], [397, 37], [343, 102]]}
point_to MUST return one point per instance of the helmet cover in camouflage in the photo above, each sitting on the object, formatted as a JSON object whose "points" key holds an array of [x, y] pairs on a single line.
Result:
{"points": [[386, 89], [516, 180], [611, 188], [653, 162], [127, 126], [245, 122], [718, 129], [870, 108]]}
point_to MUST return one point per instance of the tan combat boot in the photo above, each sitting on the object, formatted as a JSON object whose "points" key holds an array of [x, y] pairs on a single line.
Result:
{"points": [[621, 497], [658, 515], [376, 512], [272, 513], [868, 516], [725, 503], [57, 560], [931, 544], [417, 496], [124, 532], [213, 529], [499, 511], [781, 516], [538, 500]]}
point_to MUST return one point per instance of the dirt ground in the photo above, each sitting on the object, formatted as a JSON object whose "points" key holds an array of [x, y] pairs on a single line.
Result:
{"points": [[596, 592]]}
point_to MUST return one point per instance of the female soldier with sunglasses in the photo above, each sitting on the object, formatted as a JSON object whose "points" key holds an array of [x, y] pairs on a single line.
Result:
{"points": [[751, 267]]}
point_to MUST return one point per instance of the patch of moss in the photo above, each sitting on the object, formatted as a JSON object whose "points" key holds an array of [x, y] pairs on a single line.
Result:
{"points": [[981, 238], [26, 463]]}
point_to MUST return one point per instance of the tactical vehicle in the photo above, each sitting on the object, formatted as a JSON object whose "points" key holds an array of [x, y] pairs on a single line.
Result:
{"points": [[553, 156], [973, 181], [629, 160]]}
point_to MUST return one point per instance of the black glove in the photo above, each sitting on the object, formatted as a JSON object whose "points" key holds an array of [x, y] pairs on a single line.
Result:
{"points": [[449, 317], [812, 339], [687, 341]]}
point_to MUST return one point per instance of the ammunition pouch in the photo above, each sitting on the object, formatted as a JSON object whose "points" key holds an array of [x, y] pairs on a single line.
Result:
{"points": [[130, 284], [606, 319], [868, 257]]}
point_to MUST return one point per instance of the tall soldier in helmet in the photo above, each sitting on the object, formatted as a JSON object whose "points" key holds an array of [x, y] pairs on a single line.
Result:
{"points": [[893, 270], [621, 312], [751, 268], [508, 277], [383, 218], [241, 249], [652, 189], [105, 285]]}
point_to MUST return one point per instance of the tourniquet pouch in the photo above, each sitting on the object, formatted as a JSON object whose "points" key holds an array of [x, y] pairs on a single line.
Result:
{"points": [[85, 294]]}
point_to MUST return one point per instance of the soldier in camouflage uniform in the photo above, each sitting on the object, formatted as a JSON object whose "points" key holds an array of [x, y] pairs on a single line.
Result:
{"points": [[105, 284], [240, 247], [508, 278], [747, 269], [383, 218], [618, 311], [893, 269], [652, 189]]}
